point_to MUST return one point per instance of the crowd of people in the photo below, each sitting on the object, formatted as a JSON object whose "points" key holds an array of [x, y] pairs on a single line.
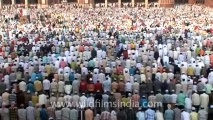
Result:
{"points": [[71, 63]]}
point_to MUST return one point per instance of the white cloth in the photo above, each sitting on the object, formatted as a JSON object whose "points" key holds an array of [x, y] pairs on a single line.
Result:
{"points": [[61, 86], [42, 99], [185, 115], [22, 86], [46, 84], [173, 98], [140, 115], [67, 89], [159, 116], [83, 101], [188, 103], [90, 102], [128, 87], [204, 100]]}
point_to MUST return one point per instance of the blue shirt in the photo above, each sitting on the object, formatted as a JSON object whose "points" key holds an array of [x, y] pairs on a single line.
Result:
{"points": [[91, 63], [56, 55], [57, 50], [140, 115], [169, 114], [39, 75], [104, 47], [44, 59], [43, 114], [150, 114], [106, 85], [33, 77], [62, 37], [143, 102], [30, 87], [117, 49], [71, 77], [132, 71]]}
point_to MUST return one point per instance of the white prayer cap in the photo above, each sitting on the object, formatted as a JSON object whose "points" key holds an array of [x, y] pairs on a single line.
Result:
{"points": [[193, 108]]}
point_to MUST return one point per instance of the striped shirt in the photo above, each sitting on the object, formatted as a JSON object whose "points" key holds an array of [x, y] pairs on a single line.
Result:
{"points": [[12, 98]]}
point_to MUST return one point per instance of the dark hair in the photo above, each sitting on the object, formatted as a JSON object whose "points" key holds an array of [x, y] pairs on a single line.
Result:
{"points": [[43, 106], [22, 106]]}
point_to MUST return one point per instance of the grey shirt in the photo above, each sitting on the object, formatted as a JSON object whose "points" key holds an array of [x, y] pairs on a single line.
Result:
{"points": [[65, 113], [159, 97], [202, 114], [166, 98], [58, 114], [12, 77], [75, 85], [197, 71], [73, 114], [30, 113], [22, 114], [177, 114], [200, 86], [4, 113]]}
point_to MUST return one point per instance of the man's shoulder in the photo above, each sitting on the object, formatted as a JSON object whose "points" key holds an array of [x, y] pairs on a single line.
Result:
{"points": [[73, 110]]}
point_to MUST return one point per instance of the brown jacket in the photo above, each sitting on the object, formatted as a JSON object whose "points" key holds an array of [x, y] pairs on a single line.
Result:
{"points": [[117, 98], [135, 100], [114, 86], [121, 86]]}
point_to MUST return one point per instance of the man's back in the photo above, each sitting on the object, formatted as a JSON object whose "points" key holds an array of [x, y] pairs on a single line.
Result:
{"points": [[177, 114], [2, 87], [140, 115], [43, 114], [65, 113], [195, 99], [150, 114], [30, 113], [73, 114], [194, 116], [22, 114], [88, 114], [121, 115], [159, 115], [105, 115], [169, 114], [58, 115], [204, 100], [202, 114], [185, 116], [181, 99]]}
